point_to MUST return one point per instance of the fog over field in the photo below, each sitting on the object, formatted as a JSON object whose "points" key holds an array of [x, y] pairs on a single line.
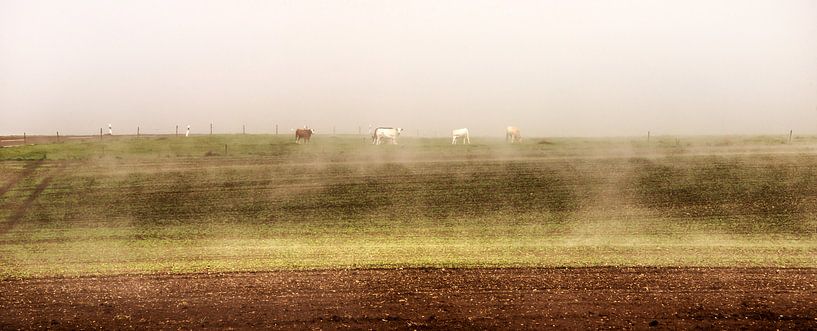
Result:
{"points": [[571, 68]]}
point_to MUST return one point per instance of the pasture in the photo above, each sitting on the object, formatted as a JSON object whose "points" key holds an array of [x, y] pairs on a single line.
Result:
{"points": [[122, 205]]}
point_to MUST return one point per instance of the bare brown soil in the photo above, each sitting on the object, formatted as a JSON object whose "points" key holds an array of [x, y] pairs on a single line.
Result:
{"points": [[19, 140], [8, 141], [638, 298]]}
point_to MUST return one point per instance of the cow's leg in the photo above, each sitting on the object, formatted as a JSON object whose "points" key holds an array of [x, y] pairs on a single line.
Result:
{"points": [[454, 140], [467, 139]]}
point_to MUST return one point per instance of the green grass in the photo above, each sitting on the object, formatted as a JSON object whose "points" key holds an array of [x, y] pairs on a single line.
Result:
{"points": [[126, 205]]}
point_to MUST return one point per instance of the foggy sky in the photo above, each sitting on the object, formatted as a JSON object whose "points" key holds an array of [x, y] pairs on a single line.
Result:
{"points": [[552, 68]]}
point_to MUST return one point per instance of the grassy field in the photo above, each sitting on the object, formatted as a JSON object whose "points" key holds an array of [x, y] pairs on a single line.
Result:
{"points": [[261, 202]]}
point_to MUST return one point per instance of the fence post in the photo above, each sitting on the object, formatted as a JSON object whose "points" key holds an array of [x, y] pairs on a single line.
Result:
{"points": [[137, 131], [177, 130], [790, 132], [276, 129], [58, 137], [648, 137], [211, 128], [25, 140], [100, 134]]}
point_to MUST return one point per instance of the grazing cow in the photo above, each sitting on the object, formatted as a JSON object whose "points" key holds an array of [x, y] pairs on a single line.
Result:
{"points": [[303, 134], [460, 133], [374, 133], [382, 133], [512, 134]]}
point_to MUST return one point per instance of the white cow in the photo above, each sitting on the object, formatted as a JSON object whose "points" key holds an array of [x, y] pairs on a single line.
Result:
{"points": [[460, 133], [382, 133], [512, 134]]}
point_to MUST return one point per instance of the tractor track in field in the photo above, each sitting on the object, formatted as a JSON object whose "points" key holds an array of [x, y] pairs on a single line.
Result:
{"points": [[421, 298], [27, 171], [23, 208]]}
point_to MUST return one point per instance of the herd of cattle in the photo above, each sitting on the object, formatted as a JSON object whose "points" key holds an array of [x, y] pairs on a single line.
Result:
{"points": [[389, 134]]}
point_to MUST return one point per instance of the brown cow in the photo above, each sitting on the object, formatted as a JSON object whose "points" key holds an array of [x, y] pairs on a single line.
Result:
{"points": [[303, 134]]}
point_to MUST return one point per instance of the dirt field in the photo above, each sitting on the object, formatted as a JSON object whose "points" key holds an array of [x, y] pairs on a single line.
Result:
{"points": [[16, 141], [208, 232], [640, 298]]}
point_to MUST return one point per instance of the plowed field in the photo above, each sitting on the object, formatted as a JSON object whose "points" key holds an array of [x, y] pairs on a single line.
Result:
{"points": [[585, 298], [253, 231]]}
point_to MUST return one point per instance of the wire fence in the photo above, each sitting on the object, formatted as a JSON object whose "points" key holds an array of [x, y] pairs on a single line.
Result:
{"points": [[185, 131], [274, 129]]}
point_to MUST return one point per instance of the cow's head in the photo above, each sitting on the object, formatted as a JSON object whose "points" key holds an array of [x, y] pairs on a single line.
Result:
{"points": [[399, 130]]}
